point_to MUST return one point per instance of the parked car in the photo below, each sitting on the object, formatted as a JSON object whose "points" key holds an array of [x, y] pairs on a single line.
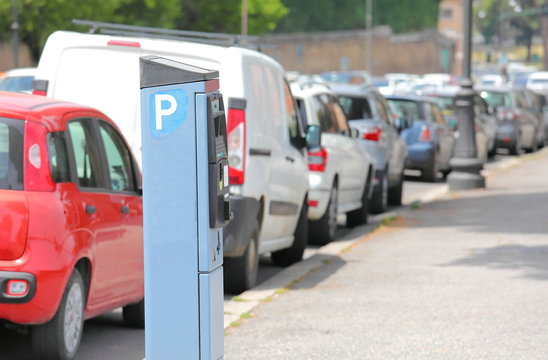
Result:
{"points": [[491, 80], [18, 80], [340, 171], [71, 224], [267, 155], [519, 126], [429, 139], [485, 122], [346, 77], [542, 101], [367, 110], [537, 81]]}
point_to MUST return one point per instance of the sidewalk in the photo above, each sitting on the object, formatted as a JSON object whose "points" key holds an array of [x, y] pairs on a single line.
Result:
{"points": [[463, 277]]}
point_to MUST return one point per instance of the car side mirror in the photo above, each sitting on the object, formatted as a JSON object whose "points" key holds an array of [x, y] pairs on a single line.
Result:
{"points": [[313, 138]]}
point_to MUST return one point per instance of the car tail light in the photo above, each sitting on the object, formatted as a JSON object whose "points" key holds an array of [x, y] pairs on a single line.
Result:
{"points": [[313, 203], [236, 146], [17, 288], [317, 160], [135, 44], [425, 135], [37, 171], [373, 134], [40, 87]]}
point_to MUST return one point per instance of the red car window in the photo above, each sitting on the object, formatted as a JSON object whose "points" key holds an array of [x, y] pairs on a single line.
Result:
{"points": [[11, 154]]}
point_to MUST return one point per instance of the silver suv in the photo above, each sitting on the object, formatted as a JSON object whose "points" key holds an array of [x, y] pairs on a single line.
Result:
{"points": [[340, 171], [367, 110]]}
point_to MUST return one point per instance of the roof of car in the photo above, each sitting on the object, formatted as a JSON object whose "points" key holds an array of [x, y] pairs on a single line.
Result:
{"points": [[410, 97], [496, 89], [352, 89], [40, 108]]}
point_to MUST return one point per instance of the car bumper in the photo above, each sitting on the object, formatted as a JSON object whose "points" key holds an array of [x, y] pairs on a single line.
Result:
{"points": [[46, 288], [507, 134], [238, 232], [420, 156], [319, 189]]}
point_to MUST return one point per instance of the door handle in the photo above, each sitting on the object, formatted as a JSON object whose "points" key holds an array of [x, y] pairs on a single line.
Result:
{"points": [[290, 159], [90, 209], [124, 209]]}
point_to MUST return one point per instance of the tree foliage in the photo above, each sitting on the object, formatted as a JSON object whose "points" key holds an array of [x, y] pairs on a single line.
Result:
{"points": [[225, 15], [327, 15], [39, 18], [501, 19]]}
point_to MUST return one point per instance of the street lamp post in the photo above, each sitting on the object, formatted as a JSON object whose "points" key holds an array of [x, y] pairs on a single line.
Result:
{"points": [[15, 34], [465, 163]]}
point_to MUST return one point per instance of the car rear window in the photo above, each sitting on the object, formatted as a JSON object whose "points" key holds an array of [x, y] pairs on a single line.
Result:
{"points": [[355, 108], [11, 154], [497, 99], [17, 83], [405, 109]]}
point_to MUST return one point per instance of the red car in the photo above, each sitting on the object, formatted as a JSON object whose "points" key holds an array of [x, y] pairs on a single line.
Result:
{"points": [[71, 240]]}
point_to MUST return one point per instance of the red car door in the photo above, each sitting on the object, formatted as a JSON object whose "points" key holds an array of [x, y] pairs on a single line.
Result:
{"points": [[122, 183], [99, 217]]}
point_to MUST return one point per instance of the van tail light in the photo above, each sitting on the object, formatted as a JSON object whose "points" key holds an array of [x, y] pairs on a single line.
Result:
{"points": [[372, 134], [317, 160], [236, 146], [37, 170], [40, 87], [425, 135]]}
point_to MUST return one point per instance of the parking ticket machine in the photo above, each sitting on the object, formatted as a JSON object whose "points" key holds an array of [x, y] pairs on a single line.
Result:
{"points": [[186, 204]]}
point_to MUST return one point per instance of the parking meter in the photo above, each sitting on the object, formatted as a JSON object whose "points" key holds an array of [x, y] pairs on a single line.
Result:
{"points": [[186, 204]]}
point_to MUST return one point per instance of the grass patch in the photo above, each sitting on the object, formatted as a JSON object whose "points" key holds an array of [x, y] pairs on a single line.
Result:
{"points": [[416, 205], [246, 315], [281, 291], [235, 324], [238, 299]]}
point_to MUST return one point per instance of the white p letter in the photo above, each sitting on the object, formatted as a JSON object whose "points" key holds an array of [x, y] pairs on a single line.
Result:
{"points": [[163, 112]]}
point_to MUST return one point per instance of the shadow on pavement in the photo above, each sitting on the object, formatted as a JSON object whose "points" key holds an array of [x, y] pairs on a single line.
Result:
{"points": [[533, 260], [498, 213], [105, 337]]}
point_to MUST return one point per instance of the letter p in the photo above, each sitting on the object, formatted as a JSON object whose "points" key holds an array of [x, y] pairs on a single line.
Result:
{"points": [[161, 112]]}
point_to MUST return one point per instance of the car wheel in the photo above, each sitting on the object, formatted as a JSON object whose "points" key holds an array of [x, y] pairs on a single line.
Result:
{"points": [[360, 216], [134, 315], [395, 193], [430, 174], [59, 339], [323, 231], [294, 253], [240, 273], [379, 201]]}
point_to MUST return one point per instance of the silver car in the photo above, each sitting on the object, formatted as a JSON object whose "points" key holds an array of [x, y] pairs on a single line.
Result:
{"points": [[340, 172], [368, 112]]}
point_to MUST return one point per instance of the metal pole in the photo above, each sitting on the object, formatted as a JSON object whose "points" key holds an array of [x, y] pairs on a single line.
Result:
{"points": [[467, 40], [465, 163], [15, 34], [369, 35], [244, 17]]}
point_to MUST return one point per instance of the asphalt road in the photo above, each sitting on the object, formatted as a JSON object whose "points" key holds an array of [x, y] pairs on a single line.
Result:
{"points": [[105, 337]]}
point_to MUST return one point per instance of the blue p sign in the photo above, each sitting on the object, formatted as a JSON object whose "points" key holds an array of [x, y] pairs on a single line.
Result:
{"points": [[169, 109]]}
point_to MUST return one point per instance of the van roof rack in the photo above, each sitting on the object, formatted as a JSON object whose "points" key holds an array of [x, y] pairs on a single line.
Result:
{"points": [[251, 42]]}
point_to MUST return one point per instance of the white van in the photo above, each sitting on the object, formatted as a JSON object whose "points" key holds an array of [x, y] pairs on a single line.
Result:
{"points": [[267, 155]]}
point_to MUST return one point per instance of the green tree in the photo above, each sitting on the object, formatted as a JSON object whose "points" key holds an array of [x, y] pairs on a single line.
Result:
{"points": [[225, 15], [328, 15], [39, 18]]}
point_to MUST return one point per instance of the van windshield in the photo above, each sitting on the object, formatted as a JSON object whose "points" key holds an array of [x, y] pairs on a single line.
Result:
{"points": [[11, 154]]}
